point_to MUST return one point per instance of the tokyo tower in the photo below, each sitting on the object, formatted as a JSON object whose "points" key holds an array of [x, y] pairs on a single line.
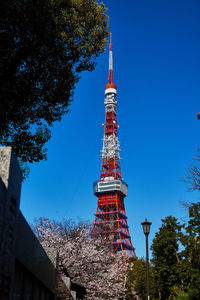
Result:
{"points": [[110, 218]]}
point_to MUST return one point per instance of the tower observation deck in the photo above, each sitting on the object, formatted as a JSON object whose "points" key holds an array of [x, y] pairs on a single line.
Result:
{"points": [[110, 218]]}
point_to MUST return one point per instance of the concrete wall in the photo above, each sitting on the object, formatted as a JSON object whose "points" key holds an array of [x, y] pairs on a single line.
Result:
{"points": [[10, 182], [27, 271], [27, 286], [30, 253]]}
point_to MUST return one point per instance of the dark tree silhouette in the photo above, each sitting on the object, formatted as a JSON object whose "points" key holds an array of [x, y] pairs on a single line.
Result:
{"points": [[44, 45]]}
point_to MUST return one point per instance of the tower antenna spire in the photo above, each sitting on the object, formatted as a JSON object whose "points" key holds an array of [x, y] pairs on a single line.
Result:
{"points": [[110, 76]]}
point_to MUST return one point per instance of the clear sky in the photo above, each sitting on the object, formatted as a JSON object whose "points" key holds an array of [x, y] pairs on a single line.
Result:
{"points": [[156, 47]]}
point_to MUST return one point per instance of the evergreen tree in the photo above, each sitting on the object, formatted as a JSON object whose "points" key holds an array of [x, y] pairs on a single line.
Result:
{"points": [[191, 254], [166, 258]]}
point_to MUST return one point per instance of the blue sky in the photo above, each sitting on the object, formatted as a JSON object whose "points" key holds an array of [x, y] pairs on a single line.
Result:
{"points": [[156, 49]]}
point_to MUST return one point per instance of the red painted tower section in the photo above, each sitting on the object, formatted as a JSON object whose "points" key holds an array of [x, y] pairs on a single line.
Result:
{"points": [[110, 218]]}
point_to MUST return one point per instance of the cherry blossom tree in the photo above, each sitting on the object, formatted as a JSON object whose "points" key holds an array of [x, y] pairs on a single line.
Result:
{"points": [[87, 261]]}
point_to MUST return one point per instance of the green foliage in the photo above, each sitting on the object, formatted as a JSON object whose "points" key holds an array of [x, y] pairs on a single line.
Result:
{"points": [[45, 44], [136, 280], [183, 297], [166, 260], [192, 251], [176, 258], [139, 273], [176, 292]]}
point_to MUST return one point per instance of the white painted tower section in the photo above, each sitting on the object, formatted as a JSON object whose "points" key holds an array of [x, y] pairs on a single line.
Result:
{"points": [[111, 143]]}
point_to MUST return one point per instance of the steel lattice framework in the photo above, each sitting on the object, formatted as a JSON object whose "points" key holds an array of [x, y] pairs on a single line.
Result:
{"points": [[110, 218]]}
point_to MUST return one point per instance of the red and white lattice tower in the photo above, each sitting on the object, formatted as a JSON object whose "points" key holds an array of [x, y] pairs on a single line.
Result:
{"points": [[110, 218]]}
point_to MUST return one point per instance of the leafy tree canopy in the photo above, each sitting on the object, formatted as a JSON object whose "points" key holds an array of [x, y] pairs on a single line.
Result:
{"points": [[45, 44]]}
